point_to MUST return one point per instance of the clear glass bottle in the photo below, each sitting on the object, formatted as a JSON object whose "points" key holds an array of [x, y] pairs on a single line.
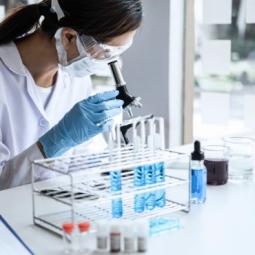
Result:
{"points": [[115, 237], [84, 228], [199, 175], [68, 230], [142, 236], [129, 237], [102, 234]]}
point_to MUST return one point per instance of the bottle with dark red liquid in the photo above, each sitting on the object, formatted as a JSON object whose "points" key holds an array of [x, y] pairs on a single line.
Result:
{"points": [[216, 163]]}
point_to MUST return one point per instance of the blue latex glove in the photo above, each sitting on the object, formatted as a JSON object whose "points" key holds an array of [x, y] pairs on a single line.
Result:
{"points": [[86, 119]]}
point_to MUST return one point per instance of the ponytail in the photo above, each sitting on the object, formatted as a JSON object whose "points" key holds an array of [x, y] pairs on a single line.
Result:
{"points": [[26, 19], [102, 19]]}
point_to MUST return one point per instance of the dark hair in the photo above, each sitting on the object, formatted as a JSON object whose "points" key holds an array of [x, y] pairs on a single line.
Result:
{"points": [[102, 19]]}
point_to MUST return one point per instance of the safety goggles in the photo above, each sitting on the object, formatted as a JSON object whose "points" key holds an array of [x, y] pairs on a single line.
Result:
{"points": [[99, 51]]}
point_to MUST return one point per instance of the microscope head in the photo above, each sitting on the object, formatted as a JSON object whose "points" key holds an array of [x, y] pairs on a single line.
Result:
{"points": [[129, 100]]}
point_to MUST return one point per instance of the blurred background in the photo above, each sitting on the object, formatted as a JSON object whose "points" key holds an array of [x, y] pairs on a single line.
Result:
{"points": [[236, 86]]}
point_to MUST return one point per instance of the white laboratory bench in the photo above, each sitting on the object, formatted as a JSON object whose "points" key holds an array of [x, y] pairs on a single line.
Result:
{"points": [[225, 225]]}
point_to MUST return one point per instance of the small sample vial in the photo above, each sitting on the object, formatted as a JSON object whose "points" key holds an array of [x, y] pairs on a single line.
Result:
{"points": [[150, 179], [115, 238], [139, 181], [84, 228], [160, 178], [68, 229], [116, 186], [102, 235], [199, 175], [142, 236], [129, 237]]}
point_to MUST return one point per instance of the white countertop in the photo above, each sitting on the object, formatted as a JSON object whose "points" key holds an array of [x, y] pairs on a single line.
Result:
{"points": [[224, 225]]}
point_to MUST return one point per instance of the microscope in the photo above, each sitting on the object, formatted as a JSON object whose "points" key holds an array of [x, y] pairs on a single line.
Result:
{"points": [[124, 95], [129, 100]]}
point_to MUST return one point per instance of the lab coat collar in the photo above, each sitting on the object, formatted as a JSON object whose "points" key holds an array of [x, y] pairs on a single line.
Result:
{"points": [[55, 98], [12, 59]]}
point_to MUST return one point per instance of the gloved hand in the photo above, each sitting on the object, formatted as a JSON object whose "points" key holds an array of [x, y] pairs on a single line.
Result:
{"points": [[86, 119]]}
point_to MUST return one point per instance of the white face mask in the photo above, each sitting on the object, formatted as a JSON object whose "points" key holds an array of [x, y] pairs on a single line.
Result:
{"points": [[79, 67]]}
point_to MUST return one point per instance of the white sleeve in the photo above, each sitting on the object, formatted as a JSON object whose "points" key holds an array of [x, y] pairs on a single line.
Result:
{"points": [[17, 171]]}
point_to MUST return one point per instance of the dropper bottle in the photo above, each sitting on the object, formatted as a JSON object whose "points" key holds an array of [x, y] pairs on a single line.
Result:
{"points": [[198, 175]]}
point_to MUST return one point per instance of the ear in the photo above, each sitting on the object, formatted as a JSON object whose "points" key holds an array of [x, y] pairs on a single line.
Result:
{"points": [[69, 37]]}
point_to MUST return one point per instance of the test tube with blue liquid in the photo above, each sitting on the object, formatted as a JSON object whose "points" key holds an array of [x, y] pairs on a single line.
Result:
{"points": [[139, 173], [160, 178], [150, 170], [161, 168], [116, 187], [150, 179], [139, 182], [116, 180]]}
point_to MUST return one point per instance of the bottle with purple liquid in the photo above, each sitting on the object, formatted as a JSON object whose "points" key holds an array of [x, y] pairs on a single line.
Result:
{"points": [[216, 162]]}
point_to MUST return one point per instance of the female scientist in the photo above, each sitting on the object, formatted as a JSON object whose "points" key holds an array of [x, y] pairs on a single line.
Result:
{"points": [[45, 103]]}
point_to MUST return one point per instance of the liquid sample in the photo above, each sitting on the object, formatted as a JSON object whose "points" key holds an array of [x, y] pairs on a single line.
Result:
{"points": [[160, 195], [217, 171], [117, 206], [139, 181], [198, 187], [150, 179]]}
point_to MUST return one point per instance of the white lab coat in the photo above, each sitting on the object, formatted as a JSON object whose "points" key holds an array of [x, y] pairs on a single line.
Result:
{"points": [[22, 117]]}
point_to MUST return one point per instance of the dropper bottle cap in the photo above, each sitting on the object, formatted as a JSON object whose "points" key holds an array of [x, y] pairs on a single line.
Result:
{"points": [[197, 154]]}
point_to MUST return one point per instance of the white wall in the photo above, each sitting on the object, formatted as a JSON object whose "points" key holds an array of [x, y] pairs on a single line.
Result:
{"points": [[147, 65]]}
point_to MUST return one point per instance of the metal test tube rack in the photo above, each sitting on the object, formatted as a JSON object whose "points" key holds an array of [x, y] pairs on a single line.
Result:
{"points": [[81, 189]]}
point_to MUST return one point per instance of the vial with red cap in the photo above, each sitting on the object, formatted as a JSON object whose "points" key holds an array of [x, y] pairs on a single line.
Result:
{"points": [[84, 228], [68, 230]]}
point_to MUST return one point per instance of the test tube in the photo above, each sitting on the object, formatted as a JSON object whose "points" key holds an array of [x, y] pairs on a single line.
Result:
{"points": [[116, 182], [150, 177], [139, 172], [136, 140], [151, 139], [162, 133]]}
